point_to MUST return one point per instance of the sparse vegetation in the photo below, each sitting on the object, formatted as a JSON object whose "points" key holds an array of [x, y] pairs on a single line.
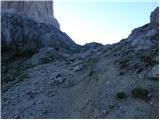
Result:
{"points": [[21, 75], [30, 66], [25, 54], [46, 60], [147, 57], [17, 55], [91, 72], [140, 93], [121, 95], [91, 62], [123, 63]]}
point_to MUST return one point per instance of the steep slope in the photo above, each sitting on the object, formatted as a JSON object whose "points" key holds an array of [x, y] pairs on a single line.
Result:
{"points": [[111, 81]]}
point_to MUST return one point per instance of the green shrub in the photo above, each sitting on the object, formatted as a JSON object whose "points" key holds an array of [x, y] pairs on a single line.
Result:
{"points": [[140, 93], [121, 95]]}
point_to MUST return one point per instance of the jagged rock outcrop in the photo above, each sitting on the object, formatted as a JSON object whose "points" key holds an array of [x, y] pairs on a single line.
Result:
{"points": [[40, 11], [141, 48], [154, 17], [146, 36]]}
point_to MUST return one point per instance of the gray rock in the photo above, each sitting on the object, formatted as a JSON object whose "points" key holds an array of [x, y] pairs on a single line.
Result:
{"points": [[142, 37], [151, 33], [21, 34], [154, 18], [154, 72], [78, 67]]}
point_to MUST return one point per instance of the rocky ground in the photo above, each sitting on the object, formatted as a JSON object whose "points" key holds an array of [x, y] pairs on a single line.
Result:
{"points": [[97, 81]]}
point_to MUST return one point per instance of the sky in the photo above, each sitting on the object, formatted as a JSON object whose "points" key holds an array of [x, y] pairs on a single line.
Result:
{"points": [[100, 21]]}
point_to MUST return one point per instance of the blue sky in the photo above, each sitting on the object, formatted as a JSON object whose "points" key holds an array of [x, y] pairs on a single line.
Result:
{"points": [[100, 21]]}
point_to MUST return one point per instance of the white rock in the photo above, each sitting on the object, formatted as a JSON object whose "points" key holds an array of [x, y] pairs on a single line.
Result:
{"points": [[77, 68]]}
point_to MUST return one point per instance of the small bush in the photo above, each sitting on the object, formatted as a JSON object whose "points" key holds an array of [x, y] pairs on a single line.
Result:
{"points": [[124, 63], [147, 60], [121, 95], [21, 75], [46, 60], [140, 93], [30, 66], [24, 76]]}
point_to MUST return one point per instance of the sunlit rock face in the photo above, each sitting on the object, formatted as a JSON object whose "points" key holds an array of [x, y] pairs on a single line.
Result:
{"points": [[146, 36], [40, 11]]}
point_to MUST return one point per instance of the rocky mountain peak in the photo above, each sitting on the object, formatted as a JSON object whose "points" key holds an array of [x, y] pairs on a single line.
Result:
{"points": [[40, 11], [154, 17], [147, 35]]}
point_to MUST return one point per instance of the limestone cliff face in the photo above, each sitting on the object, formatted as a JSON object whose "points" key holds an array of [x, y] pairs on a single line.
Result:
{"points": [[40, 11], [30, 25]]}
